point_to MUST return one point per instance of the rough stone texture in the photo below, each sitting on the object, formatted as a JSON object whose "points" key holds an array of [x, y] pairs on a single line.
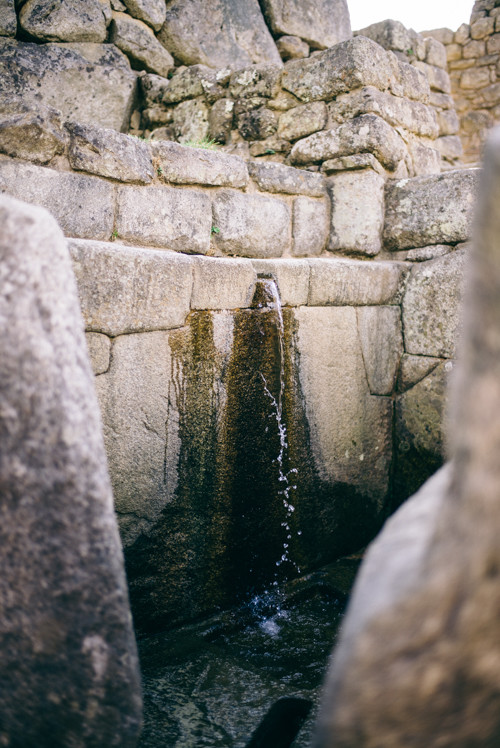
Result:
{"points": [[258, 80], [220, 283], [292, 48], [450, 147], [220, 120], [251, 225], [165, 217], [352, 163], [421, 664], [69, 663], [357, 211], [108, 153], [190, 121], [31, 134], [291, 276], [412, 115], [302, 120], [411, 83], [8, 18], [351, 64], [322, 23], [152, 12], [272, 177], [431, 306], [365, 134], [430, 210], [413, 369], [234, 34], [310, 228], [186, 165], [65, 20], [439, 80], [257, 124], [136, 39], [355, 283], [186, 83], [88, 215], [390, 34], [422, 254], [381, 338], [89, 83], [350, 429], [99, 350], [124, 290]]}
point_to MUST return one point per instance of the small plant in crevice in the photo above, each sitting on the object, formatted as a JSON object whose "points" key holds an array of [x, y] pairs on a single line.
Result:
{"points": [[159, 171], [114, 235], [205, 143], [215, 230]]}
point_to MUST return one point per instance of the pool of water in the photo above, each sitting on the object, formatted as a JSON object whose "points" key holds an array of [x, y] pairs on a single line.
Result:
{"points": [[211, 683]]}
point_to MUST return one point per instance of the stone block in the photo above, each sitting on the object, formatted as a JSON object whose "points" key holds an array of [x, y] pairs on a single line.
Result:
{"points": [[302, 120], [357, 212], [448, 122], [413, 369], [69, 661], [430, 210], [322, 23], [365, 134], [82, 205], [235, 35], [473, 49], [339, 282], [152, 12], [108, 153], [351, 441], [89, 83], [389, 34], [182, 164], [462, 34], [422, 254], [493, 44], [220, 120], [381, 338], [443, 35], [435, 53], [351, 64], [220, 283], [450, 147], [411, 115], [410, 83], [257, 124], [165, 217], [190, 122], [352, 163], [292, 48], [310, 226], [256, 81], [8, 18], [291, 276], [432, 285], [273, 177], [139, 43], [453, 52], [68, 21], [251, 225], [99, 350], [31, 134], [124, 290], [475, 78], [424, 159], [439, 80], [441, 101]]}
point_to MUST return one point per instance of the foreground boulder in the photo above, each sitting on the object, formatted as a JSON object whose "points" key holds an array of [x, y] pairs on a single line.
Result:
{"points": [[68, 662], [417, 663]]}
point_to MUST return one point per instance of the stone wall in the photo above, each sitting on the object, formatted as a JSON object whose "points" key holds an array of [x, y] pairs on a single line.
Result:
{"points": [[427, 53], [473, 63]]}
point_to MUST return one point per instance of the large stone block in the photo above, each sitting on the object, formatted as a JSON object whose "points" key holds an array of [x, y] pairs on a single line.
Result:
{"points": [[165, 217], [89, 83], [273, 177], [311, 225], [139, 43], [29, 133], [439, 80], [124, 290], [344, 67], [434, 285], [355, 283], [69, 665], [365, 134], [397, 111], [220, 283], [389, 34], [181, 164], [322, 24], [152, 12], [291, 276], [8, 18], [381, 338], [235, 35], [302, 120], [430, 210], [83, 206], [357, 211], [67, 21], [251, 225], [108, 153]]}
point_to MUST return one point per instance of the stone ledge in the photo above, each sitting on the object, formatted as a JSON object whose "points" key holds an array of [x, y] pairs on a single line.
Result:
{"points": [[355, 283], [273, 177], [182, 164]]}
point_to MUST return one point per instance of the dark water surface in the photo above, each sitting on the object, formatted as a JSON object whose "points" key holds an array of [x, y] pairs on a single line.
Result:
{"points": [[211, 683]]}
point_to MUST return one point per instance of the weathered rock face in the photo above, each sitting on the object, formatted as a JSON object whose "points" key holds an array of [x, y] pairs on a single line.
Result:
{"points": [[65, 20], [90, 83], [69, 665], [29, 134], [139, 43], [8, 18], [416, 661], [322, 24], [234, 34]]}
